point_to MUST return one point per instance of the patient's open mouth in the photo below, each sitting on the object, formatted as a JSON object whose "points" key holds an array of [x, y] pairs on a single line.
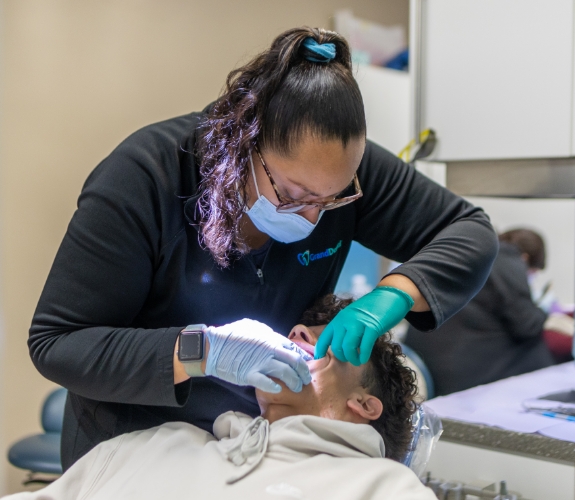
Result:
{"points": [[313, 364], [310, 349]]}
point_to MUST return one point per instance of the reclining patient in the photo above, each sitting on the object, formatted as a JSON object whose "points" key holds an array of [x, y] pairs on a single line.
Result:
{"points": [[341, 437]]}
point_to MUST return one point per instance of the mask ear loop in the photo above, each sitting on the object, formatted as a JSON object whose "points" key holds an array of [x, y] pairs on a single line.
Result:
{"points": [[254, 174]]}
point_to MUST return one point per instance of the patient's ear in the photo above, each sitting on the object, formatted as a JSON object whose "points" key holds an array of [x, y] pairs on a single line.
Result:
{"points": [[365, 406]]}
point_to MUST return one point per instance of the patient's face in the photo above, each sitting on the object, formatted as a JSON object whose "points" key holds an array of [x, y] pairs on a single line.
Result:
{"points": [[333, 383]]}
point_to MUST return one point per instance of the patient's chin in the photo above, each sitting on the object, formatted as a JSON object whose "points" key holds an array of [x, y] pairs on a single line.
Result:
{"points": [[274, 406], [277, 397], [286, 399]]}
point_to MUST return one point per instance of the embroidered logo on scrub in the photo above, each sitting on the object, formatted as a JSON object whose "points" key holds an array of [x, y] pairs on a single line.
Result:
{"points": [[306, 257]]}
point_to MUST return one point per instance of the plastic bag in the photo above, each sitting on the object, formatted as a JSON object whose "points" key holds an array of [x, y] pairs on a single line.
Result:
{"points": [[427, 430]]}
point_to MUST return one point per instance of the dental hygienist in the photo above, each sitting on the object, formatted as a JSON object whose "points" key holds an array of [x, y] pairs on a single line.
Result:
{"points": [[244, 210]]}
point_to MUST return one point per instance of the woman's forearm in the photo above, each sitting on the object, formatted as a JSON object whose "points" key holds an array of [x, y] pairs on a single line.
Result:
{"points": [[405, 284]]}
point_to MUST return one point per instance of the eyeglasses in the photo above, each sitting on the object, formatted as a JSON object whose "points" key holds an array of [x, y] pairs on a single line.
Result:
{"points": [[289, 205]]}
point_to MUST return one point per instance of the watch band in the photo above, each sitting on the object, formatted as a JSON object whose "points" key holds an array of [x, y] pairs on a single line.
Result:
{"points": [[193, 367]]}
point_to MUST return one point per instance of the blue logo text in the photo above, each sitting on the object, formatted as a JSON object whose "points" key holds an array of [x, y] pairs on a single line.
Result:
{"points": [[306, 257]]}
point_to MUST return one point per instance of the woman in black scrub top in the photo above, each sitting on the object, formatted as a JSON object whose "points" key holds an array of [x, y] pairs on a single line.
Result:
{"points": [[238, 217]]}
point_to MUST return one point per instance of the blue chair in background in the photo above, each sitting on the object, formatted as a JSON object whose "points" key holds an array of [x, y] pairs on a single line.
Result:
{"points": [[40, 454], [424, 378]]}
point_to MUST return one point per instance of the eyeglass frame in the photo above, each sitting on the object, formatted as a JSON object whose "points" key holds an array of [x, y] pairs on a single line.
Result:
{"points": [[326, 205]]}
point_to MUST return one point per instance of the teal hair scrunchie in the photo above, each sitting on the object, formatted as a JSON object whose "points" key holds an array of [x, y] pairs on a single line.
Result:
{"points": [[318, 52]]}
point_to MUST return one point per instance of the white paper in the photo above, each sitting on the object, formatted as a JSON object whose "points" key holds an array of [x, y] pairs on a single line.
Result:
{"points": [[500, 404], [564, 431]]}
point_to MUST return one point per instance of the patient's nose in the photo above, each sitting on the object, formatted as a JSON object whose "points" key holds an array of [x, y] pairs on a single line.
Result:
{"points": [[300, 332]]}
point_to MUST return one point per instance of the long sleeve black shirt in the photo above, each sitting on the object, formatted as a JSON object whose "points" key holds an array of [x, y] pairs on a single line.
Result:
{"points": [[130, 274]]}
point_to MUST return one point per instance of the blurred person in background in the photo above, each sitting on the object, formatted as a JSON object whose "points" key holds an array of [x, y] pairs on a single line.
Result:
{"points": [[500, 332]]}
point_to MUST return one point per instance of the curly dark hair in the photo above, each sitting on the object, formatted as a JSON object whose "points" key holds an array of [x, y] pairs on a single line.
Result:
{"points": [[393, 383], [385, 377], [274, 100]]}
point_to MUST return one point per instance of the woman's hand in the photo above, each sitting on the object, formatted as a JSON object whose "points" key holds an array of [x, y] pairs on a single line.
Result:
{"points": [[248, 352], [359, 325]]}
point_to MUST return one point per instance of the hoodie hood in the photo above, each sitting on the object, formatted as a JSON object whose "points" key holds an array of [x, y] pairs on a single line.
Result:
{"points": [[245, 441]]}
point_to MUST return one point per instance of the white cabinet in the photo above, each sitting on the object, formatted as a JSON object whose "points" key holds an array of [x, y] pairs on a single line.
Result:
{"points": [[386, 99], [534, 478], [494, 78]]}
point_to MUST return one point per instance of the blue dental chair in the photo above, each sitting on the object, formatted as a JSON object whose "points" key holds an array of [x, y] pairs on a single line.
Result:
{"points": [[40, 454], [424, 379]]}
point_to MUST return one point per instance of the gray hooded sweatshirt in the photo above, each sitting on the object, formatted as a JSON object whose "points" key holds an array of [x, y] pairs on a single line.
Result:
{"points": [[301, 457]]}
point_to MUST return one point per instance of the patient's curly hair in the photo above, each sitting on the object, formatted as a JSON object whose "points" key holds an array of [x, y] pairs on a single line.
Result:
{"points": [[385, 377]]}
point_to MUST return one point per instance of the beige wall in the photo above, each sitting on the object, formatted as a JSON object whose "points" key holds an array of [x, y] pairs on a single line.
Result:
{"points": [[76, 78]]}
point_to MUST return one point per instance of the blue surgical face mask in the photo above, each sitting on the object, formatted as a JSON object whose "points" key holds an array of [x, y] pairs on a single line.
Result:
{"points": [[283, 227]]}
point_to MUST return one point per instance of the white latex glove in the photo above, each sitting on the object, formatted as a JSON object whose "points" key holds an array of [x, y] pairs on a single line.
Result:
{"points": [[248, 352]]}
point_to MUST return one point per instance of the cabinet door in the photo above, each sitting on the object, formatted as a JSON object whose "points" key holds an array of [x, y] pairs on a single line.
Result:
{"points": [[496, 77], [385, 95]]}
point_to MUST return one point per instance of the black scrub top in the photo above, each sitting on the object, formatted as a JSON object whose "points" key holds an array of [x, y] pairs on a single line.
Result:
{"points": [[130, 274]]}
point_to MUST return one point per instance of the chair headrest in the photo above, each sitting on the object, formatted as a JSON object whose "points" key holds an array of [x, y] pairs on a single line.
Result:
{"points": [[53, 410]]}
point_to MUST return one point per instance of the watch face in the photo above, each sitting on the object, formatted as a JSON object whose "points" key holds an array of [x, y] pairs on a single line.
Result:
{"points": [[191, 346]]}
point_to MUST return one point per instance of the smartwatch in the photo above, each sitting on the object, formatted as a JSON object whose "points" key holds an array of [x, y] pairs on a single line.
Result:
{"points": [[191, 349]]}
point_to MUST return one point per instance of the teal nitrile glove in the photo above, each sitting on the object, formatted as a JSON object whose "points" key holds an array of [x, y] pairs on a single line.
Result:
{"points": [[247, 352], [361, 323]]}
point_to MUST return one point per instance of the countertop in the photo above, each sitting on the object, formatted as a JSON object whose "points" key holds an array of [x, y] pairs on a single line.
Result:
{"points": [[527, 444]]}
